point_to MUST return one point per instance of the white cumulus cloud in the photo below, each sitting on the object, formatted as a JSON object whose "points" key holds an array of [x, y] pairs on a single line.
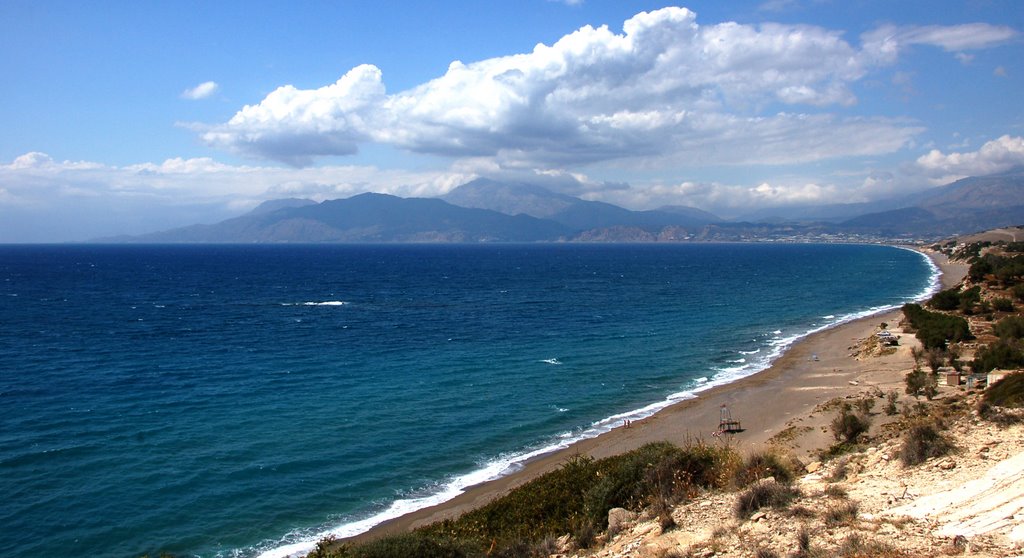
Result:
{"points": [[665, 87], [998, 155], [201, 91]]}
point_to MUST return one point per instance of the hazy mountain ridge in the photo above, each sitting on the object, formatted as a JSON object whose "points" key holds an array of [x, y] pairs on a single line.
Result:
{"points": [[489, 211]]}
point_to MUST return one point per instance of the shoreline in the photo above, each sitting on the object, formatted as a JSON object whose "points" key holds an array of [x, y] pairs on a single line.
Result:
{"points": [[814, 369]]}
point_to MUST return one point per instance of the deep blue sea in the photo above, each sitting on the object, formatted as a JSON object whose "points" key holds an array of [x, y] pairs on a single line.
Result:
{"points": [[240, 400]]}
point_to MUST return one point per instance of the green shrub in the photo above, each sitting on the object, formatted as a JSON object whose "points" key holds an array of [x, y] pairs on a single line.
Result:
{"points": [[847, 426], [1010, 327], [919, 383], [1005, 354], [406, 544], [922, 441], [764, 494], [935, 329], [576, 498], [948, 299], [865, 405], [762, 465], [1008, 392], [1018, 291], [1002, 304], [890, 403]]}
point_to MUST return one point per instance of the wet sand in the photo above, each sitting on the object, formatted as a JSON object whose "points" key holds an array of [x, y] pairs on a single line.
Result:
{"points": [[814, 370]]}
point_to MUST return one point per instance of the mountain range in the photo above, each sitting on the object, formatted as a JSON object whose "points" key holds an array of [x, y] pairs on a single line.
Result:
{"points": [[486, 210]]}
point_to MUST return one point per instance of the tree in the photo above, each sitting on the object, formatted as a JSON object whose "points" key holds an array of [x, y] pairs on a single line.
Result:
{"points": [[934, 358], [916, 381]]}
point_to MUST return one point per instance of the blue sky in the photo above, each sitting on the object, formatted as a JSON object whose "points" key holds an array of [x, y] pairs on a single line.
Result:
{"points": [[128, 117]]}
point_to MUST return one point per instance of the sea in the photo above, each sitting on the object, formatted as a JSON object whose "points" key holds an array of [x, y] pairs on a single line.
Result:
{"points": [[247, 400]]}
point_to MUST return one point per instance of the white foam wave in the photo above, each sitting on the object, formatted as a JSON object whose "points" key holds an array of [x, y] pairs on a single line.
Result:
{"points": [[510, 463], [551, 361], [497, 468], [934, 279], [315, 303]]}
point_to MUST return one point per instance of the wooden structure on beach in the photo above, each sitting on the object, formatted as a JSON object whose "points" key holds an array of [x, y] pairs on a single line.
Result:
{"points": [[726, 424]]}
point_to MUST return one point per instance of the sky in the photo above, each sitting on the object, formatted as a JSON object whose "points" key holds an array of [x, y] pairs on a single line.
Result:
{"points": [[133, 117]]}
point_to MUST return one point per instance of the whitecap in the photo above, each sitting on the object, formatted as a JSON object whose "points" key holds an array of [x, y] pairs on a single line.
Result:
{"points": [[551, 361]]}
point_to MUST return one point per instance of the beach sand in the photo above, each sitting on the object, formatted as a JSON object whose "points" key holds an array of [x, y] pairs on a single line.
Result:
{"points": [[819, 368]]}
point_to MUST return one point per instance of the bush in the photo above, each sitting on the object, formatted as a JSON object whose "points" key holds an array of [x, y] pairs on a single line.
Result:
{"points": [[890, 403], [919, 383], [1018, 291], [836, 491], [406, 544], [1006, 353], [865, 404], [935, 329], [1010, 327], [847, 426], [924, 440], [856, 547], [764, 494], [576, 498], [763, 465], [1008, 392], [948, 299], [841, 514], [1002, 305]]}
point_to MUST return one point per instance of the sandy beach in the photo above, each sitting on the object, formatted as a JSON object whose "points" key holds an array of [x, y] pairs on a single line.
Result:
{"points": [[819, 368]]}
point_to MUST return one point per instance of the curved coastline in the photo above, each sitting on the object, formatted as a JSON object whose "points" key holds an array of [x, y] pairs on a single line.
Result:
{"points": [[680, 416]]}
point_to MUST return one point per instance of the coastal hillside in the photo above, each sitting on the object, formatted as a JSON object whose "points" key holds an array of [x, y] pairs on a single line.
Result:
{"points": [[909, 443]]}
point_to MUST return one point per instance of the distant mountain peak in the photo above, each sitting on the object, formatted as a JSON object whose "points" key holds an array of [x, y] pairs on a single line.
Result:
{"points": [[271, 206]]}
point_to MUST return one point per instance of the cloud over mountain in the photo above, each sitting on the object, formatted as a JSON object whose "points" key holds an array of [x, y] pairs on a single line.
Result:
{"points": [[665, 88], [998, 155]]}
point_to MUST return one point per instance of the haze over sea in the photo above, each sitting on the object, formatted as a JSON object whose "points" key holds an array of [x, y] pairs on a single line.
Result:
{"points": [[233, 400]]}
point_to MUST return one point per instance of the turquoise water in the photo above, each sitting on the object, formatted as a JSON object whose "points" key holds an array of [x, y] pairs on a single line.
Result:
{"points": [[241, 400]]}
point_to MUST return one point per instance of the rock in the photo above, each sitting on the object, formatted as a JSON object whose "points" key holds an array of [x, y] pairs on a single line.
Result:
{"points": [[620, 519], [758, 516], [854, 383], [647, 529], [947, 465], [564, 544], [813, 466]]}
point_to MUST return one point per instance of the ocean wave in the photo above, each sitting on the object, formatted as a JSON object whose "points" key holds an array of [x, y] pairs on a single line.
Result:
{"points": [[494, 469], [551, 361], [314, 303]]}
